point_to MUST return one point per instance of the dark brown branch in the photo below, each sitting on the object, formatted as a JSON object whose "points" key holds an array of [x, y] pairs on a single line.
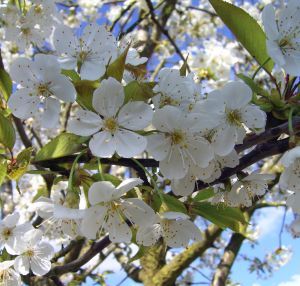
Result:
{"points": [[164, 31], [87, 256], [261, 151]]}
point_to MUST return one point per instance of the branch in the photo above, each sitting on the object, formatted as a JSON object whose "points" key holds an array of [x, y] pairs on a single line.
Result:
{"points": [[167, 275], [203, 10], [86, 257], [260, 152], [165, 32]]}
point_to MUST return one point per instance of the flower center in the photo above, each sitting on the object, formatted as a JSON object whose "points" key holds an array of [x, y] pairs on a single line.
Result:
{"points": [[30, 253], [234, 117], [177, 138], [26, 31], [7, 233], [110, 124], [43, 90], [284, 42]]}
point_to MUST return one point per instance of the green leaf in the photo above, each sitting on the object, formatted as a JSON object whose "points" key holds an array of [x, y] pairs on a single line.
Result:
{"points": [[62, 145], [221, 215], [246, 29], [254, 87], [7, 132], [73, 75], [138, 91], [184, 68], [204, 194], [5, 84], [85, 90], [116, 68], [42, 192], [173, 204], [3, 170], [19, 168]]}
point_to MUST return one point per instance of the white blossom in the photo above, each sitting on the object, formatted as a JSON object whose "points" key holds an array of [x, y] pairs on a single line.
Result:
{"points": [[231, 108], [178, 145], [290, 177], [118, 123], [176, 229], [8, 276], [244, 190], [109, 211], [89, 54], [283, 36], [11, 233], [59, 219], [42, 86], [33, 254]]}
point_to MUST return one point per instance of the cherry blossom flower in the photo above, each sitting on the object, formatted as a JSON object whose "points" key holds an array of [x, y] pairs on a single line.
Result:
{"points": [[283, 35], [230, 107], [244, 190], [186, 185], [177, 145], [42, 86], [11, 233], [176, 229], [89, 54], [33, 254], [8, 276], [109, 210], [290, 177], [117, 125], [60, 220], [174, 89]]}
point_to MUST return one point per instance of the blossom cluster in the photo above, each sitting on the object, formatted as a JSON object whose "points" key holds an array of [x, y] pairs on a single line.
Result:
{"points": [[192, 135]]}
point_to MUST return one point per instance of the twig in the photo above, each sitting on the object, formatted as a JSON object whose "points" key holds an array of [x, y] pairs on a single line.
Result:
{"points": [[203, 10], [76, 264], [165, 32]]}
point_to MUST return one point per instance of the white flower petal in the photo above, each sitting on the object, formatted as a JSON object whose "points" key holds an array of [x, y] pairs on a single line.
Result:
{"points": [[269, 22], [126, 186], [50, 115], [22, 104], [117, 228], [40, 266], [149, 235], [62, 88], [129, 144], [101, 192], [135, 115], [85, 123], [109, 97], [137, 211], [22, 265], [158, 146], [237, 95], [103, 144], [93, 220], [174, 166]]}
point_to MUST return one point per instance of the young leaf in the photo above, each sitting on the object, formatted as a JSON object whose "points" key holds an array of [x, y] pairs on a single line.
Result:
{"points": [[116, 68], [138, 91], [173, 204], [19, 168], [5, 84], [255, 88], [7, 132], [221, 215], [204, 194], [3, 170], [62, 145], [246, 29]]}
